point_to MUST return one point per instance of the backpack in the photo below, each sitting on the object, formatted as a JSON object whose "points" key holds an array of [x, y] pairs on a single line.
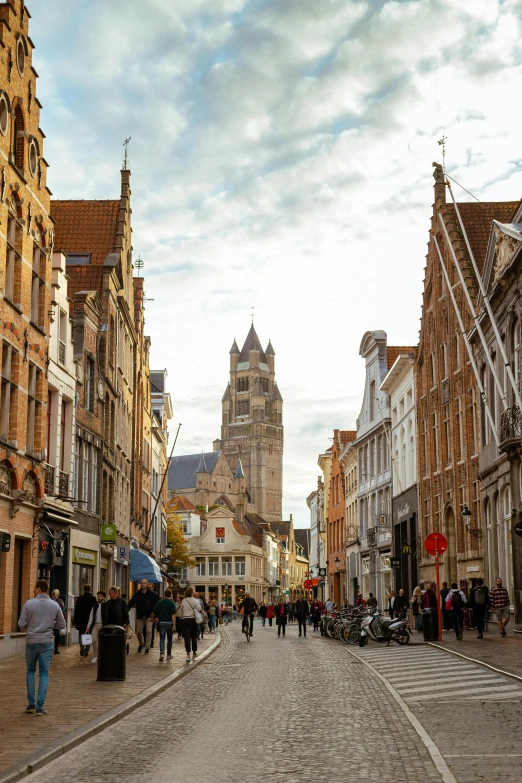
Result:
{"points": [[480, 596], [456, 600]]}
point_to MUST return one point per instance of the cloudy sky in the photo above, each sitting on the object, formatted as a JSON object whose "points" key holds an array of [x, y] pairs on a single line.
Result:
{"points": [[281, 158]]}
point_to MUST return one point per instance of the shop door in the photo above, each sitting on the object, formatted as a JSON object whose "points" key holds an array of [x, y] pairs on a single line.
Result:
{"points": [[18, 569]]}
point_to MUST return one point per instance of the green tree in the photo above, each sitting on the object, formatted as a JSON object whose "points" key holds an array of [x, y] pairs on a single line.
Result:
{"points": [[180, 555]]}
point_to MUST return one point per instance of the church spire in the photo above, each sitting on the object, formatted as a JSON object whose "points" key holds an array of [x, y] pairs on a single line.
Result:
{"points": [[251, 343], [234, 348], [269, 349], [239, 470], [202, 467]]}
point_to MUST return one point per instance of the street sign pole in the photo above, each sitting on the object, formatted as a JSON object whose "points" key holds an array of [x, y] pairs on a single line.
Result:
{"points": [[439, 609], [435, 544]]}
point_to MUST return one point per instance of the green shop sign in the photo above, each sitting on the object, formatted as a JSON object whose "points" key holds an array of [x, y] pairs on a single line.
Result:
{"points": [[84, 556], [108, 533]]}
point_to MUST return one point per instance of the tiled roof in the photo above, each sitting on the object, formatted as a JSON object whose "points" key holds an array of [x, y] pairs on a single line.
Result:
{"points": [[282, 529], [347, 436], [181, 503], [477, 218], [84, 278], [85, 227], [183, 469], [393, 351], [239, 528], [254, 529]]}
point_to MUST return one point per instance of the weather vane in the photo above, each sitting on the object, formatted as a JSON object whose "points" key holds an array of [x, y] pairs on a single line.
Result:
{"points": [[442, 143], [126, 156]]}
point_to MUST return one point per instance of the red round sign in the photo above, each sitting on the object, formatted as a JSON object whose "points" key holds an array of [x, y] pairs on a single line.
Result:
{"points": [[308, 584], [436, 543]]}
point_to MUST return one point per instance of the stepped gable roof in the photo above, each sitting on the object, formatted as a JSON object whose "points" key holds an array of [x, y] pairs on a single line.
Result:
{"points": [[181, 503], [234, 348], [393, 351], [226, 395], [275, 394], [302, 536], [86, 227], [183, 469], [251, 344], [269, 349], [477, 218]]}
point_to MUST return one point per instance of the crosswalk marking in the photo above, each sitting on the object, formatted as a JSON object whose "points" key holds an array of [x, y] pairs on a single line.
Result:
{"points": [[422, 674]]}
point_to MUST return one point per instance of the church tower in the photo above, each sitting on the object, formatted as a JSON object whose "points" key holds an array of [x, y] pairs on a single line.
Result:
{"points": [[252, 424]]}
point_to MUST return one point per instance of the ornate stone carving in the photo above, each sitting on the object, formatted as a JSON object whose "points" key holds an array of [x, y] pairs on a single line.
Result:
{"points": [[505, 248], [29, 492], [5, 480]]}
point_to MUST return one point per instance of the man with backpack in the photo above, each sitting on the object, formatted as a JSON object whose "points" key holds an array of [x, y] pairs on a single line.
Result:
{"points": [[479, 601], [455, 603]]}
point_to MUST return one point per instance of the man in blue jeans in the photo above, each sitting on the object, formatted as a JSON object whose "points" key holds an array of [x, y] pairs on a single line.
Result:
{"points": [[164, 614], [40, 617]]}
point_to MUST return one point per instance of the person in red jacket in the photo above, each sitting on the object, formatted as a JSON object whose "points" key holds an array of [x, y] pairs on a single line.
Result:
{"points": [[270, 613], [281, 615]]}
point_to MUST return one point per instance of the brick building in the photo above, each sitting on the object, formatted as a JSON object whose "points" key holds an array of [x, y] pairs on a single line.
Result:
{"points": [[252, 424], [26, 241], [348, 459], [448, 442], [336, 519]]}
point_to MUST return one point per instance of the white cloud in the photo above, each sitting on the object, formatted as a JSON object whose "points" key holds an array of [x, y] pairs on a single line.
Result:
{"points": [[281, 157]]}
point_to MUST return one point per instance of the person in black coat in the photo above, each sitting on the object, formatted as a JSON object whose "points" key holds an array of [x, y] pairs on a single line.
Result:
{"points": [[281, 614], [82, 610], [302, 610], [401, 602], [114, 611], [262, 613], [144, 600]]}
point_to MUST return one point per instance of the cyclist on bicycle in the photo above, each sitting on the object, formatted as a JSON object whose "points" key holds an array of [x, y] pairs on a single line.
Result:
{"points": [[249, 607]]}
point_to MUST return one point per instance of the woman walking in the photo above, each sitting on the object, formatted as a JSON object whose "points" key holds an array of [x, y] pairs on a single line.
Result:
{"points": [[316, 613], [281, 615], [270, 613], [189, 627], [416, 608]]}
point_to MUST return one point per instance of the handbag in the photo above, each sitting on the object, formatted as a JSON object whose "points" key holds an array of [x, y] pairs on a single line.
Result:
{"points": [[198, 617], [86, 639]]}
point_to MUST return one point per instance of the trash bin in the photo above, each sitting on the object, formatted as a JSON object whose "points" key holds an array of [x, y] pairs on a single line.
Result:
{"points": [[429, 625], [111, 653]]}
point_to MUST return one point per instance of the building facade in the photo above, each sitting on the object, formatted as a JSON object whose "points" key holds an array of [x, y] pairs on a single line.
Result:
{"points": [[252, 424], [336, 519], [374, 468], [406, 543], [26, 251], [318, 545], [447, 407], [348, 459]]}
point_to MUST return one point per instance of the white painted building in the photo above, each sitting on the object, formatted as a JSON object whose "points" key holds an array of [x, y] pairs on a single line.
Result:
{"points": [[399, 385], [318, 548]]}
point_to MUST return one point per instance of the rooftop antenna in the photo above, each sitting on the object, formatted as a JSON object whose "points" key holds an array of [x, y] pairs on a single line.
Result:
{"points": [[126, 155], [139, 264], [442, 143]]}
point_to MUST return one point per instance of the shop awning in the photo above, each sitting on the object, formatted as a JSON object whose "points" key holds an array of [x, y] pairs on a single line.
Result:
{"points": [[144, 567]]}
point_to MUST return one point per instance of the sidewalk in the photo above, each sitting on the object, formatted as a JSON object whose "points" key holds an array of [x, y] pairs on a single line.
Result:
{"points": [[503, 653], [75, 697]]}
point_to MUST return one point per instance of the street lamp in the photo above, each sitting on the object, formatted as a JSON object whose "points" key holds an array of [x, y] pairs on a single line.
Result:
{"points": [[168, 548], [476, 532]]}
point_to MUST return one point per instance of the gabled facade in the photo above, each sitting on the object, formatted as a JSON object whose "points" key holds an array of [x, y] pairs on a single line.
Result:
{"points": [[252, 424], [374, 468], [26, 250], [348, 460], [447, 408], [229, 561]]}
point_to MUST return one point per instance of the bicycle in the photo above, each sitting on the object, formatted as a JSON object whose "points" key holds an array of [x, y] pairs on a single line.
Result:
{"points": [[246, 626]]}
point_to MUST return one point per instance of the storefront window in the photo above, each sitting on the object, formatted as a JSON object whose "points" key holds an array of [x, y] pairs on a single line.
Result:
{"points": [[365, 586], [81, 575], [386, 578], [240, 593]]}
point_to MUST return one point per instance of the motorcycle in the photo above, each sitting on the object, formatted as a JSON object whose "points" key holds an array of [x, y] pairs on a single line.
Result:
{"points": [[383, 630]]}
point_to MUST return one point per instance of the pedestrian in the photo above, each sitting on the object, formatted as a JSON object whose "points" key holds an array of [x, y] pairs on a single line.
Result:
{"points": [[115, 610], [401, 603], [429, 604], [302, 610], [95, 622], [55, 596], [248, 608], [82, 609], [455, 603], [262, 613], [479, 601], [164, 614], [416, 607], [203, 610], [189, 606], [372, 601], [39, 618], [212, 616], [144, 600], [446, 619], [329, 605], [316, 613], [499, 600], [270, 613], [281, 616], [360, 600], [391, 604]]}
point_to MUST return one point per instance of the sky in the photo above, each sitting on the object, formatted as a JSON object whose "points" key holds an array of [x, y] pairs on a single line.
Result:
{"points": [[281, 157]]}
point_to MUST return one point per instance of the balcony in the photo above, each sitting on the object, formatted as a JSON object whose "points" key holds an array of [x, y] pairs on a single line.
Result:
{"points": [[510, 428], [61, 352], [48, 479], [63, 484]]}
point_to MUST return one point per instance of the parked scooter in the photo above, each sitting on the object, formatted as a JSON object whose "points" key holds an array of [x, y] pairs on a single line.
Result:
{"points": [[380, 630]]}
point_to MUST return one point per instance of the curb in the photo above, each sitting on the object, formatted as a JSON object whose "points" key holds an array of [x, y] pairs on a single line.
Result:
{"points": [[69, 741]]}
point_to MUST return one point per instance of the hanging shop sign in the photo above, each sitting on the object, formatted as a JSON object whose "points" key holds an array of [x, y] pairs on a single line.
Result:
{"points": [[108, 533]]}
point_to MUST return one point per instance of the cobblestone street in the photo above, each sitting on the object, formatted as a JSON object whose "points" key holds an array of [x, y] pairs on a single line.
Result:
{"points": [[291, 709]]}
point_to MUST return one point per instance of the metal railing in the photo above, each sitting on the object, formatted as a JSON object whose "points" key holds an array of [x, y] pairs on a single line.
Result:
{"points": [[511, 424], [48, 479]]}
